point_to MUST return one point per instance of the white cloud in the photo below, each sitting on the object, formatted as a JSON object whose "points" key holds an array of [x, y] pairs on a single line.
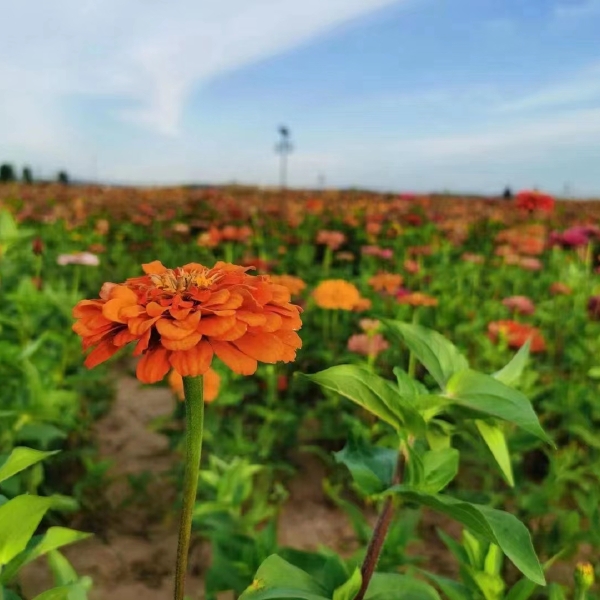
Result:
{"points": [[583, 86], [149, 53]]}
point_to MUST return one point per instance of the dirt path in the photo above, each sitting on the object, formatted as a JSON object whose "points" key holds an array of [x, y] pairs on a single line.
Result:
{"points": [[132, 554]]}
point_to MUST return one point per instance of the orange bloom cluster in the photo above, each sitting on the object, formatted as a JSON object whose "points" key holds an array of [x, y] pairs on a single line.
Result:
{"points": [[214, 236], [529, 239], [339, 294], [211, 382], [179, 318], [517, 334], [386, 282]]}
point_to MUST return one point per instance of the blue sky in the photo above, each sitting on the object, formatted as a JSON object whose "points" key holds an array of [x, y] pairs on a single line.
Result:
{"points": [[463, 95]]}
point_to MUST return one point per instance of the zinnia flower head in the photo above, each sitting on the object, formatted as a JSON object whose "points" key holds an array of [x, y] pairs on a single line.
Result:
{"points": [[386, 282], [336, 294], [560, 289], [211, 383], [531, 200], [333, 239], [417, 299], [367, 345], [520, 304], [179, 318], [369, 325], [517, 334], [78, 258]]}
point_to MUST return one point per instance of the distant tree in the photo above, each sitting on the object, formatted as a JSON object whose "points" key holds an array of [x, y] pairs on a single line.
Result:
{"points": [[27, 175], [63, 177], [7, 173]]}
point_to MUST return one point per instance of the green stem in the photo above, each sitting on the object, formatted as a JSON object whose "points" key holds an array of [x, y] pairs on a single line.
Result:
{"points": [[412, 360], [194, 417]]}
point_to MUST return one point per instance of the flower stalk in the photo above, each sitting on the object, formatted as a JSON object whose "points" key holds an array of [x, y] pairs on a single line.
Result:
{"points": [[380, 531], [194, 421]]}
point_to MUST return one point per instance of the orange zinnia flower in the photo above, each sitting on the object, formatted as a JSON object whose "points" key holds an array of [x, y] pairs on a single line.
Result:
{"points": [[211, 383], [417, 299], [336, 294], [516, 334], [386, 282], [181, 317]]}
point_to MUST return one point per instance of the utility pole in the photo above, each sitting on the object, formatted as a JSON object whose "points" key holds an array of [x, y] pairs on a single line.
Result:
{"points": [[283, 148]]}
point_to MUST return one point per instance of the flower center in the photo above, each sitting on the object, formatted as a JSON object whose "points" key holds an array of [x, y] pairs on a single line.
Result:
{"points": [[179, 281]]}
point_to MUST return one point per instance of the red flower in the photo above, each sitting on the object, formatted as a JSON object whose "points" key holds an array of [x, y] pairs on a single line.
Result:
{"points": [[531, 200]]}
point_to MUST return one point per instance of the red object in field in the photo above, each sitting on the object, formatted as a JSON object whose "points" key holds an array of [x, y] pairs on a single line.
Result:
{"points": [[531, 200]]}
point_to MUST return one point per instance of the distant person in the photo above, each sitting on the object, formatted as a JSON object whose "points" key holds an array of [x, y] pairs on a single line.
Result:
{"points": [[507, 194]]}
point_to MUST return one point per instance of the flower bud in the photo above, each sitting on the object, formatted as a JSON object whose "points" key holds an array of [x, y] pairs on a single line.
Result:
{"points": [[584, 576]]}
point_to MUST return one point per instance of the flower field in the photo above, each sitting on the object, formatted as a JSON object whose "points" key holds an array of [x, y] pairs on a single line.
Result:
{"points": [[397, 395]]}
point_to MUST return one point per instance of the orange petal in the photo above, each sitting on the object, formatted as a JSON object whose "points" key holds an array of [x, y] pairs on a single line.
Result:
{"points": [[254, 319], [237, 361], [101, 353], [192, 362], [289, 338], [139, 325], [154, 309], [210, 326], [212, 383], [143, 343], [236, 332], [154, 268], [217, 298], [177, 330], [183, 343], [264, 347], [124, 337], [153, 366], [85, 307]]}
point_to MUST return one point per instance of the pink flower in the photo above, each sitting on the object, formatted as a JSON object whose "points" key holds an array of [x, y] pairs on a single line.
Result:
{"points": [[530, 263], [367, 344], [78, 258], [519, 304]]}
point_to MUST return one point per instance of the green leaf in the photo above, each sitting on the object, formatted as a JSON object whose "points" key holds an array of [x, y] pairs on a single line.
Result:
{"points": [[19, 519], [390, 586], [373, 393], [348, 590], [440, 467], [453, 589], [407, 386], [73, 591], [511, 372], [21, 458], [493, 525], [54, 538], [277, 578], [486, 395], [62, 570], [372, 467], [437, 354], [494, 437]]}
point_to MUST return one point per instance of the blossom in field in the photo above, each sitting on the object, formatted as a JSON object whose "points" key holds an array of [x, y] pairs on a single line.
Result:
{"points": [[417, 299], [180, 318], [517, 334], [211, 382], [367, 344], [181, 228], [369, 325], [336, 294], [332, 239], [560, 289], [519, 304], [292, 283], [344, 256], [362, 304], [575, 237], [385, 253], [209, 239], [531, 200], [230, 233], [476, 259], [78, 258], [593, 308], [386, 282], [411, 266], [530, 263], [102, 227]]}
